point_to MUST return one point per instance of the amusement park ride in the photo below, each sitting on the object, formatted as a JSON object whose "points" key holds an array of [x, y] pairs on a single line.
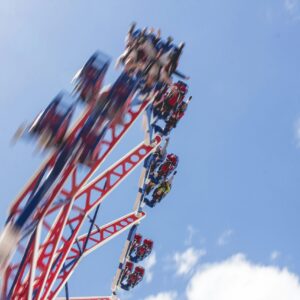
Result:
{"points": [[43, 240]]}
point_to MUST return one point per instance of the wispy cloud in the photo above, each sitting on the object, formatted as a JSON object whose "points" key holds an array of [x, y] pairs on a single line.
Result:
{"points": [[191, 232], [172, 295], [274, 255], [291, 5], [225, 237], [187, 260], [237, 278], [150, 262]]}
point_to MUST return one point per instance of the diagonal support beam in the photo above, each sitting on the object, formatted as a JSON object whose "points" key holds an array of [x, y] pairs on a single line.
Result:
{"points": [[110, 180], [111, 139], [85, 201], [97, 239]]}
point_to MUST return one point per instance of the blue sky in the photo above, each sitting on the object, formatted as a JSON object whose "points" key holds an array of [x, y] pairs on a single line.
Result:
{"points": [[235, 200]]}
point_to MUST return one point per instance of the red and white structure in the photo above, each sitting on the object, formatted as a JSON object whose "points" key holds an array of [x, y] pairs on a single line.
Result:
{"points": [[45, 259], [62, 228]]}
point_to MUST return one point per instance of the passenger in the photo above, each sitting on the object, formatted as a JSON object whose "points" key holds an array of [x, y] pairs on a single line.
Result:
{"points": [[127, 270], [168, 166], [148, 55], [160, 192], [173, 98], [137, 241], [152, 182], [174, 57], [176, 117], [158, 156], [141, 252], [133, 279], [144, 250]]}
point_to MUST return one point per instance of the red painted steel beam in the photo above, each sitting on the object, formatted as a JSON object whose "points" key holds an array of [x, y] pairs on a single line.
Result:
{"points": [[97, 239], [111, 139], [100, 188]]}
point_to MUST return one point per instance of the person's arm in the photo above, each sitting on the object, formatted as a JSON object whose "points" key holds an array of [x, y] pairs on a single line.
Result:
{"points": [[179, 74], [158, 33], [189, 100], [159, 101], [172, 178], [164, 149], [121, 59], [164, 97]]}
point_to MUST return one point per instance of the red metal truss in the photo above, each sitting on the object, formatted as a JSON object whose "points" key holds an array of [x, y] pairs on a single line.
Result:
{"points": [[75, 178], [97, 238], [85, 201], [71, 172]]}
